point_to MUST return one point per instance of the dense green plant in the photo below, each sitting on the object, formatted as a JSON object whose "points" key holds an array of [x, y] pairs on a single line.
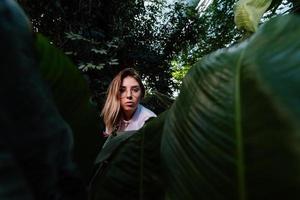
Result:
{"points": [[135, 171], [150, 34], [233, 132], [239, 127], [217, 31], [72, 98], [111, 35], [36, 143]]}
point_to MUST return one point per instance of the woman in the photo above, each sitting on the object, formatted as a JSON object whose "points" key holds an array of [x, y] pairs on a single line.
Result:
{"points": [[122, 110]]}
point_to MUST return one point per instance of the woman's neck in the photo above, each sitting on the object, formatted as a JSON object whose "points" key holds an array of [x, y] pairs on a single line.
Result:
{"points": [[128, 115]]}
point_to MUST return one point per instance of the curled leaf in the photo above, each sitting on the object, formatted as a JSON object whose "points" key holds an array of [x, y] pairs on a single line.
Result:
{"points": [[248, 13]]}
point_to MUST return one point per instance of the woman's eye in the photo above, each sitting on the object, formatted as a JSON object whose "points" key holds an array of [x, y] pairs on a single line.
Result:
{"points": [[122, 90], [136, 90]]}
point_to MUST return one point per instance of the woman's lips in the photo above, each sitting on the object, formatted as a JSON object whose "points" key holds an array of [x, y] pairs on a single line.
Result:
{"points": [[129, 103]]}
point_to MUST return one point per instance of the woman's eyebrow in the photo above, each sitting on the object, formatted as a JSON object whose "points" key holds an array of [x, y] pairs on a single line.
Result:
{"points": [[134, 86]]}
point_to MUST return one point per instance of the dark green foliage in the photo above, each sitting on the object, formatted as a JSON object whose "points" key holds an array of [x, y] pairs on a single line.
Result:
{"points": [[13, 183], [157, 102], [233, 132], [214, 29], [198, 146], [149, 37], [72, 98], [134, 170], [35, 143], [238, 134]]}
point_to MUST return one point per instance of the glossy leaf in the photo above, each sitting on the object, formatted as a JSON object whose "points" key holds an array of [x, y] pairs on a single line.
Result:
{"points": [[72, 98], [133, 170], [233, 132]]}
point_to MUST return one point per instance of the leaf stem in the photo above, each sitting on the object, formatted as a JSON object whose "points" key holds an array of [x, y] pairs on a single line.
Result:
{"points": [[142, 166], [239, 135]]}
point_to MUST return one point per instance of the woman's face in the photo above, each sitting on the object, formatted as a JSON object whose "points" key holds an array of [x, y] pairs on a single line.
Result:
{"points": [[130, 94]]}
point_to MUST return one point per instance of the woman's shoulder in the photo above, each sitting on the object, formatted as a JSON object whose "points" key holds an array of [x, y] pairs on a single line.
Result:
{"points": [[146, 113]]}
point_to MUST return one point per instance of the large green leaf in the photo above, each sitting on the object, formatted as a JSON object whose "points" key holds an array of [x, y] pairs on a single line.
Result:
{"points": [[15, 39], [134, 170], [71, 96], [35, 142], [233, 133]]}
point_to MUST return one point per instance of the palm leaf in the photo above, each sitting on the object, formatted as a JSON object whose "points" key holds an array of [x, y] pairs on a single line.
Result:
{"points": [[233, 132]]}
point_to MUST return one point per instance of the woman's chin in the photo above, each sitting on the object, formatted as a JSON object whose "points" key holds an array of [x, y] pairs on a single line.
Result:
{"points": [[129, 108]]}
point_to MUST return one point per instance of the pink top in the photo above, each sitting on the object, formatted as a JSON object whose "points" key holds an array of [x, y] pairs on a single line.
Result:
{"points": [[137, 121]]}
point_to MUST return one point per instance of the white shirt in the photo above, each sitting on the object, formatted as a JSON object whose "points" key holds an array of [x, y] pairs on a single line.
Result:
{"points": [[140, 116]]}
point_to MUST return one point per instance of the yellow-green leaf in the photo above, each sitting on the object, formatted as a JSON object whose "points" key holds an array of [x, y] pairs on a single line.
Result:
{"points": [[247, 13]]}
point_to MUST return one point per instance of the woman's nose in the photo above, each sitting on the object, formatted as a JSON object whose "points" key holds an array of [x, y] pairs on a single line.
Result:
{"points": [[129, 94]]}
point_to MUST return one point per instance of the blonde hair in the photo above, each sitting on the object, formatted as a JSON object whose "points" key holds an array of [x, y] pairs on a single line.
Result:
{"points": [[112, 108]]}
